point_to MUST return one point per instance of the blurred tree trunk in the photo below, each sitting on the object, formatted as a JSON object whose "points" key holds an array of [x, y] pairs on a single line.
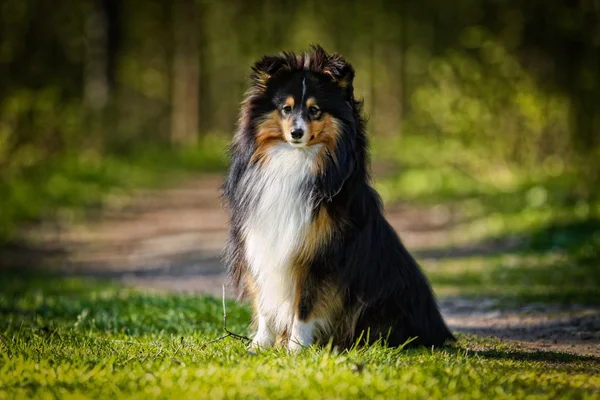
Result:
{"points": [[185, 74], [387, 68], [402, 81], [587, 138], [96, 66], [373, 67], [97, 86], [112, 10], [584, 68]]}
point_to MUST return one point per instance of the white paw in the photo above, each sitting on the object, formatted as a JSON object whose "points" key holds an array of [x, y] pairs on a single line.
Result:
{"points": [[264, 337], [302, 335], [295, 346], [258, 344]]}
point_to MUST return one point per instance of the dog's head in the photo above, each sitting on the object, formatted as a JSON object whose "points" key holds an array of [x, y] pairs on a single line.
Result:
{"points": [[301, 99]]}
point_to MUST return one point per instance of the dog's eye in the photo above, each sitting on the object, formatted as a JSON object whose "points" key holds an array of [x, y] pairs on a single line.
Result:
{"points": [[314, 111], [286, 109]]}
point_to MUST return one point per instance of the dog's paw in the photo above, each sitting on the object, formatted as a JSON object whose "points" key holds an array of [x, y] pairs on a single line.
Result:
{"points": [[301, 336], [295, 346], [265, 336], [261, 342], [256, 346]]}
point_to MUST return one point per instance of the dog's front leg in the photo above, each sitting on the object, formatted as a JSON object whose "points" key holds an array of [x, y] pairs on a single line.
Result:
{"points": [[302, 334], [265, 337], [303, 327]]}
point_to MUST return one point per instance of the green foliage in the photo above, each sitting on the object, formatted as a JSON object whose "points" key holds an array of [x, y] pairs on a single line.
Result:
{"points": [[489, 104], [505, 93], [68, 183], [75, 338]]}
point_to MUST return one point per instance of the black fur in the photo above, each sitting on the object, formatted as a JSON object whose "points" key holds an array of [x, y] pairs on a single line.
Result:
{"points": [[365, 260]]}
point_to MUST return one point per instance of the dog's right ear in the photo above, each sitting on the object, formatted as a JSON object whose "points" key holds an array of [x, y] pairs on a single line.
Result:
{"points": [[266, 68]]}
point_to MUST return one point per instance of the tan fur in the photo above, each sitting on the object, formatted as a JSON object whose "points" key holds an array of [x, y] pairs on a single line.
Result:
{"points": [[319, 234], [250, 292], [345, 328], [311, 102], [261, 80], [328, 308], [286, 121], [289, 101], [286, 127], [341, 82], [329, 304], [268, 133], [326, 131]]}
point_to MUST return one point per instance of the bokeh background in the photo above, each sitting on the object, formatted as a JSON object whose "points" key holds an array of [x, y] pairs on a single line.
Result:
{"points": [[484, 118], [115, 116]]}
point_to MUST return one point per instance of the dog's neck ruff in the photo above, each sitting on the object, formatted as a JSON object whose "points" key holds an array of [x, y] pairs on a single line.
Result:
{"points": [[278, 197]]}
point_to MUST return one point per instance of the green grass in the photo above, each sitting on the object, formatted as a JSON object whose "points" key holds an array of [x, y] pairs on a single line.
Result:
{"points": [[518, 279], [68, 184], [554, 264], [72, 338]]}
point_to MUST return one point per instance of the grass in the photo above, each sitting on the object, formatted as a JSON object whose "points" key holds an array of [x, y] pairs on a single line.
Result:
{"points": [[555, 264], [74, 338], [518, 279]]}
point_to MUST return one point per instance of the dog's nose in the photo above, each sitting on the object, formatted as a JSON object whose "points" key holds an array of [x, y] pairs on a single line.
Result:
{"points": [[297, 133]]}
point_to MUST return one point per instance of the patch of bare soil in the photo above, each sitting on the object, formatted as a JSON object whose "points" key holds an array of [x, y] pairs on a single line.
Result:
{"points": [[171, 239]]}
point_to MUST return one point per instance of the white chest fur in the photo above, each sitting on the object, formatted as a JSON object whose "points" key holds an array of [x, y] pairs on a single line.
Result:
{"points": [[276, 227]]}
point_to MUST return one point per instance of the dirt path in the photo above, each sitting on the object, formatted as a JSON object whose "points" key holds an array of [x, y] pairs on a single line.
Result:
{"points": [[171, 239]]}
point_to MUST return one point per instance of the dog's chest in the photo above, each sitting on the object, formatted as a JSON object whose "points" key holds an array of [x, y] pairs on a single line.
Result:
{"points": [[277, 222]]}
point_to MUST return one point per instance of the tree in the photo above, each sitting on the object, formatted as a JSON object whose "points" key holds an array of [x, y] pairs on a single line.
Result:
{"points": [[185, 74]]}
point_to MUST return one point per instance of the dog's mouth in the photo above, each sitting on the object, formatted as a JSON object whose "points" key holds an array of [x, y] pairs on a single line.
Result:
{"points": [[297, 143]]}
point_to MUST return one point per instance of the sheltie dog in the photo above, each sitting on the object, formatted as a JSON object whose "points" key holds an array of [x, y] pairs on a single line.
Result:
{"points": [[309, 245]]}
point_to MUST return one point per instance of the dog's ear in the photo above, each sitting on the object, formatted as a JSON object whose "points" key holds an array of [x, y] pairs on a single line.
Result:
{"points": [[340, 71], [339, 166], [266, 68], [335, 66]]}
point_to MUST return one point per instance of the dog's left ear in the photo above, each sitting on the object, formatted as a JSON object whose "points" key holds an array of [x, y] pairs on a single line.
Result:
{"points": [[265, 68], [340, 71], [336, 67]]}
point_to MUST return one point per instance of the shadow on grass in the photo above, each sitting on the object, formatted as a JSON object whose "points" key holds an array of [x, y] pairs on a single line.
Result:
{"points": [[539, 356], [551, 357], [576, 329]]}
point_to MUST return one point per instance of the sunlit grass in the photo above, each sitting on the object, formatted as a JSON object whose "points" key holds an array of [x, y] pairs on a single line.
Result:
{"points": [[522, 278], [73, 338]]}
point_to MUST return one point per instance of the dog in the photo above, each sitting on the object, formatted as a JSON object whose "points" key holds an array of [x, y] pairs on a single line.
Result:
{"points": [[309, 245]]}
